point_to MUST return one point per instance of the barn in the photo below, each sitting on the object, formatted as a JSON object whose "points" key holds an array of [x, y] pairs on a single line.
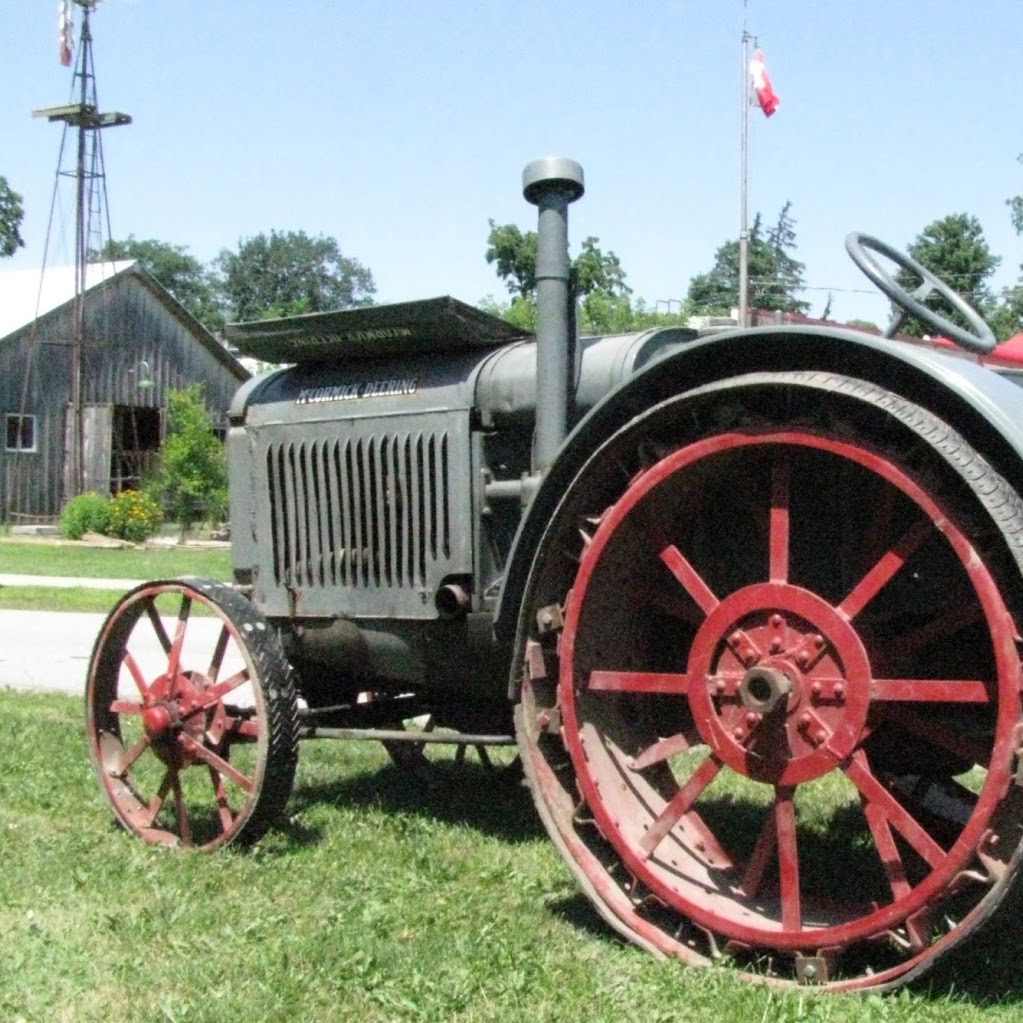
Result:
{"points": [[137, 344]]}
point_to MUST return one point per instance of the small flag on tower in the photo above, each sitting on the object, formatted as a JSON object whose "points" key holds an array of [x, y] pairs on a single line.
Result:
{"points": [[65, 36], [766, 96]]}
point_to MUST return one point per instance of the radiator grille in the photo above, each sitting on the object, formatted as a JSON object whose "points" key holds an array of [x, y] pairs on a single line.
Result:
{"points": [[361, 512]]}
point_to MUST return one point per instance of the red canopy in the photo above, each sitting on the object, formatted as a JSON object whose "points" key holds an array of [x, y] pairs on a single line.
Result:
{"points": [[1008, 353]]}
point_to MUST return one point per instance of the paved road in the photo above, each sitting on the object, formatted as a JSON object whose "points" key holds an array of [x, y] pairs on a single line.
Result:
{"points": [[46, 650], [49, 651]]}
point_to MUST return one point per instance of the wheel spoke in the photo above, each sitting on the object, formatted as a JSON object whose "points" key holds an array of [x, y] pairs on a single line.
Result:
{"points": [[223, 806], [220, 690], [887, 850], [943, 627], [894, 812], [680, 804], [126, 707], [136, 673], [964, 747], [157, 622], [197, 749], [912, 690], [156, 804], [218, 654], [120, 769], [689, 578], [661, 751], [641, 682], [779, 568], [760, 858], [886, 567], [184, 822], [788, 859], [174, 654]]}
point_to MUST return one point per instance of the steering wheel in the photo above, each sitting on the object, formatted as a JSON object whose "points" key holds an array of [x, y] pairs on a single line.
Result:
{"points": [[978, 339]]}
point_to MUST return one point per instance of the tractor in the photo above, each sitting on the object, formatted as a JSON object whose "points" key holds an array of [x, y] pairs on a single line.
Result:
{"points": [[744, 603]]}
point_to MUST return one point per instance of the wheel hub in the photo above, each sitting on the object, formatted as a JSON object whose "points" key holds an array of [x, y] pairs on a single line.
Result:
{"points": [[786, 684], [170, 712]]}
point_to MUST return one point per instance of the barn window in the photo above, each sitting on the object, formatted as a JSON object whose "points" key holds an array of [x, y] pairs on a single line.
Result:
{"points": [[21, 432]]}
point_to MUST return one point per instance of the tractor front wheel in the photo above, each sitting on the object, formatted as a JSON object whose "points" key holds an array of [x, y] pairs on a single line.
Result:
{"points": [[191, 715]]}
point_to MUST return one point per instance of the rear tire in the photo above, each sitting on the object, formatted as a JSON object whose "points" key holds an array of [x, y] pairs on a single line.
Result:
{"points": [[770, 697]]}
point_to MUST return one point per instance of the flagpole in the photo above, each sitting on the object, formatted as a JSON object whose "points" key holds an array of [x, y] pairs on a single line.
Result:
{"points": [[743, 176]]}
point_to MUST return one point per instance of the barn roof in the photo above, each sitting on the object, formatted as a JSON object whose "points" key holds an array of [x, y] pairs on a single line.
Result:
{"points": [[28, 295]]}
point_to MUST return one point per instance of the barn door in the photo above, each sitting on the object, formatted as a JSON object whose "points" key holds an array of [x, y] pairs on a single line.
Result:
{"points": [[97, 421]]}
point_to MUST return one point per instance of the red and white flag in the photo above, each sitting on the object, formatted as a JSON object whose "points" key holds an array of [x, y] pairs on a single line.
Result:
{"points": [[766, 96], [65, 32]]}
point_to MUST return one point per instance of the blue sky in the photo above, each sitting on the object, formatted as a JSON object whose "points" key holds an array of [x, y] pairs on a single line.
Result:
{"points": [[399, 128]]}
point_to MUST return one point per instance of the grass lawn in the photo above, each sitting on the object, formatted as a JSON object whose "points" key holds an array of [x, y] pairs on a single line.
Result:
{"points": [[43, 558], [377, 901], [78, 559]]}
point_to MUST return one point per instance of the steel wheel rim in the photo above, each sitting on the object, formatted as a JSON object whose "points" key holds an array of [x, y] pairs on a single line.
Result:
{"points": [[181, 724], [596, 779]]}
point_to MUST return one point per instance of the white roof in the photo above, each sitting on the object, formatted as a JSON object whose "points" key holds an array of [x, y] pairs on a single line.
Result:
{"points": [[26, 294]]}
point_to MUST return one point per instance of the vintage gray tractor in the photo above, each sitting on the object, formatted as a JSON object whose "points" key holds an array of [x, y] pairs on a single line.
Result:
{"points": [[746, 603]]}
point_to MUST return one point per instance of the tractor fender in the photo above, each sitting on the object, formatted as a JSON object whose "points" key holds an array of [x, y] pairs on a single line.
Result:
{"points": [[983, 406]]}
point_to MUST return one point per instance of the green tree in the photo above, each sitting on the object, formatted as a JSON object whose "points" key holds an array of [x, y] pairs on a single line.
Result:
{"points": [[188, 280], [12, 212], [1006, 315], [1015, 204], [287, 270], [191, 482], [514, 252], [599, 279], [954, 249], [775, 275], [519, 311]]}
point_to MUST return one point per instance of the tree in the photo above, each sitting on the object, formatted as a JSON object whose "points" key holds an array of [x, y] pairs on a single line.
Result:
{"points": [[775, 275], [954, 249], [12, 212], [1006, 315], [180, 273], [1015, 204], [514, 252], [598, 277], [283, 272], [191, 483]]}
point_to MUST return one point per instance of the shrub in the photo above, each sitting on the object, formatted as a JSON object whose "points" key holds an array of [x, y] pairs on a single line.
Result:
{"points": [[134, 516], [86, 513], [192, 480]]}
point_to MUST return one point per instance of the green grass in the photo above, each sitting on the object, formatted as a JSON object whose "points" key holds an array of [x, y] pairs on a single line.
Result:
{"points": [[376, 901], [48, 598], [53, 558]]}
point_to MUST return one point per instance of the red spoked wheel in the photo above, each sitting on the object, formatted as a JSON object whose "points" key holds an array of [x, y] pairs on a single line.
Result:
{"points": [[191, 715], [771, 709]]}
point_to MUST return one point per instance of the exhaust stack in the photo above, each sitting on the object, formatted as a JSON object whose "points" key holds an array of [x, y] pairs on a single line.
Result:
{"points": [[551, 183]]}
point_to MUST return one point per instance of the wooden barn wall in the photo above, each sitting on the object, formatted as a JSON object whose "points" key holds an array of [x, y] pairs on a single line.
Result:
{"points": [[131, 336]]}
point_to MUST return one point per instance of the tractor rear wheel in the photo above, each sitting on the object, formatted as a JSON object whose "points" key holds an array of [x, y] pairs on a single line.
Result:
{"points": [[770, 682], [191, 715]]}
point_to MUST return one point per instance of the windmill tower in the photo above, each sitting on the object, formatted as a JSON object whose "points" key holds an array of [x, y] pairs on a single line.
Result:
{"points": [[82, 161]]}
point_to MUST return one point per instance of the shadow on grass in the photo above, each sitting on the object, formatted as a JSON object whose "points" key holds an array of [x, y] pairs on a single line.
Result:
{"points": [[466, 794], [986, 972], [577, 911]]}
